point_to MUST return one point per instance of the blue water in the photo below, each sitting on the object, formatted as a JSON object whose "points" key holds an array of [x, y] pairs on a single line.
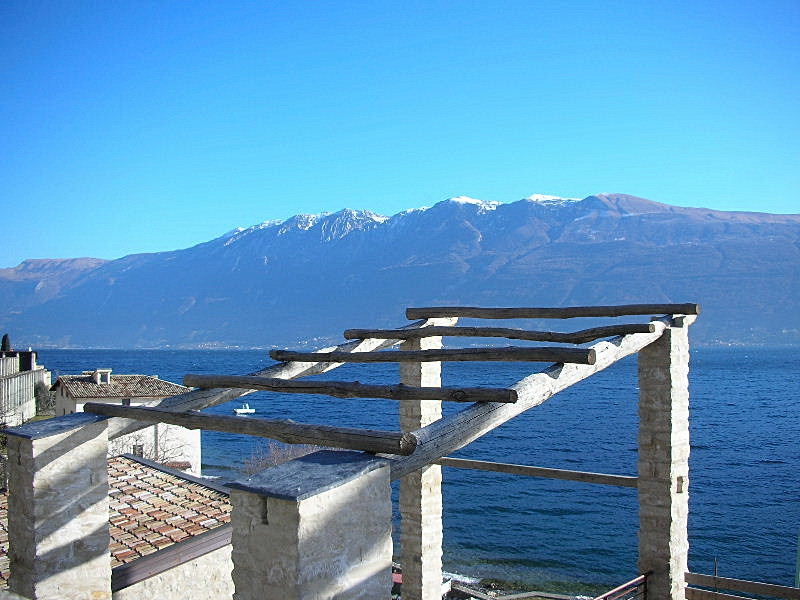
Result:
{"points": [[745, 462]]}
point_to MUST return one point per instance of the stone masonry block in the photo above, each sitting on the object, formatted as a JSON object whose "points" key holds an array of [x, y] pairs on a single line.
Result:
{"points": [[58, 509], [316, 528], [664, 464]]}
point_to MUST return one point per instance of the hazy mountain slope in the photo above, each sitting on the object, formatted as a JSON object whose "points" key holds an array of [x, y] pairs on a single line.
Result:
{"points": [[35, 281], [314, 275]]}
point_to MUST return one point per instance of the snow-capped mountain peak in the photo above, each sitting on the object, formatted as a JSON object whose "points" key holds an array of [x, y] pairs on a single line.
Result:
{"points": [[483, 205]]}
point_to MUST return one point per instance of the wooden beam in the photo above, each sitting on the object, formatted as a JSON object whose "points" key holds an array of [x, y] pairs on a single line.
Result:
{"points": [[740, 585], [583, 476], [459, 429], [352, 389], [199, 399], [510, 353], [568, 312], [369, 440], [574, 337]]}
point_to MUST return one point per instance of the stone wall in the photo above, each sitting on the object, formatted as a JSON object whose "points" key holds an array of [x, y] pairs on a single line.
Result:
{"points": [[58, 509], [318, 527], [205, 578]]}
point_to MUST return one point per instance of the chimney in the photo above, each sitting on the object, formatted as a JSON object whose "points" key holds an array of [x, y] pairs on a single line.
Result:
{"points": [[102, 376]]}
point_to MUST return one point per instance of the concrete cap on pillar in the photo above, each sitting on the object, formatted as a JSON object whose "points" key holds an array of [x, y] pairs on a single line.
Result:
{"points": [[309, 475], [56, 426]]}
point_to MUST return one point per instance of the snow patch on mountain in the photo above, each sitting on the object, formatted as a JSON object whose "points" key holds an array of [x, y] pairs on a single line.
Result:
{"points": [[547, 200], [488, 204], [235, 235]]}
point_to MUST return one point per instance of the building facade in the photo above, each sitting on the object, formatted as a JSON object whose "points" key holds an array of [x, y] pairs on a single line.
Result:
{"points": [[171, 445]]}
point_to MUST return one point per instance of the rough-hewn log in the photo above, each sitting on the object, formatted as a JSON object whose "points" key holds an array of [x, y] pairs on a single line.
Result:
{"points": [[456, 431], [740, 585], [352, 389], [199, 399], [369, 440], [583, 476], [573, 337], [512, 353], [568, 312]]}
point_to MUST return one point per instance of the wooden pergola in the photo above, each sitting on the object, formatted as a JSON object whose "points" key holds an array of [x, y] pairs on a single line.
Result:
{"points": [[415, 454], [319, 527]]}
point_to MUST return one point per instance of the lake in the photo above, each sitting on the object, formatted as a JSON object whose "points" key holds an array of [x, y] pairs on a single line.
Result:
{"points": [[548, 534]]}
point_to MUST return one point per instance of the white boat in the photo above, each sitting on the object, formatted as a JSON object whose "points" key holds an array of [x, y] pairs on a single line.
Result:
{"points": [[244, 410]]}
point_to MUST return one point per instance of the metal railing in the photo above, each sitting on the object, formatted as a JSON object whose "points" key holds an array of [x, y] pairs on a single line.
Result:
{"points": [[635, 589]]}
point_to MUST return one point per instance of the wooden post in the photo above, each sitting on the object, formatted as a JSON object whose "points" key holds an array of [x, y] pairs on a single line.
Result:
{"points": [[421, 491], [663, 483]]}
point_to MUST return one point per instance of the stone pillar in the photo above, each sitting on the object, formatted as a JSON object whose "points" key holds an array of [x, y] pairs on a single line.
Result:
{"points": [[664, 464], [316, 528], [58, 508], [421, 491]]}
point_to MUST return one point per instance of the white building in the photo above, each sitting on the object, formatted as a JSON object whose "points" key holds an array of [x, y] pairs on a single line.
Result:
{"points": [[171, 445], [19, 377]]}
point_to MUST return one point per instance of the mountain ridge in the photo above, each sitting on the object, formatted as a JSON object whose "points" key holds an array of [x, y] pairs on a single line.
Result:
{"points": [[310, 276]]}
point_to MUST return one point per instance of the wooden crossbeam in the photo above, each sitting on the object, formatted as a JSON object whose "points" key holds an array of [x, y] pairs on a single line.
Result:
{"points": [[352, 389], [574, 337], [369, 440], [455, 431], [568, 312], [512, 353], [582, 476], [199, 399]]}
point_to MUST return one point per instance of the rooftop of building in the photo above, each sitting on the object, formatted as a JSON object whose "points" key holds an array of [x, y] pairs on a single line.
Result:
{"points": [[89, 385], [151, 508]]}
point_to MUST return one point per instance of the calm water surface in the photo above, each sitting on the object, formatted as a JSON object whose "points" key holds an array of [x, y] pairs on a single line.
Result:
{"points": [[745, 478]]}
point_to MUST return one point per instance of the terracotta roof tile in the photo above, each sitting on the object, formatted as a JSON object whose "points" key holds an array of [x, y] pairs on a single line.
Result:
{"points": [[121, 386], [149, 509]]}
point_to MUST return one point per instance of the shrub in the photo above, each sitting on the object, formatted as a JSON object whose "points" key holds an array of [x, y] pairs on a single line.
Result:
{"points": [[271, 454]]}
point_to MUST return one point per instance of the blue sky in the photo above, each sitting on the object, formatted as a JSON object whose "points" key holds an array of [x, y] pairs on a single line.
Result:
{"points": [[143, 126]]}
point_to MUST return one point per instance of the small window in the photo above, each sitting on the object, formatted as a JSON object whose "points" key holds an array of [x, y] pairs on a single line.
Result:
{"points": [[126, 402], [138, 450]]}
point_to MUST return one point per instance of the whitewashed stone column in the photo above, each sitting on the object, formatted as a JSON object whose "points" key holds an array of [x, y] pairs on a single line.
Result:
{"points": [[316, 528], [421, 491], [58, 508], [663, 485]]}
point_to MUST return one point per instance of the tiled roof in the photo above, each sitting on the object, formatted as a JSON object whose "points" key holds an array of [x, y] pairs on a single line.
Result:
{"points": [[150, 508], [121, 386]]}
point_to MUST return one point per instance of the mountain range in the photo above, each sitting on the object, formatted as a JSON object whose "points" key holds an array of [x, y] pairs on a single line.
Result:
{"points": [[303, 280]]}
